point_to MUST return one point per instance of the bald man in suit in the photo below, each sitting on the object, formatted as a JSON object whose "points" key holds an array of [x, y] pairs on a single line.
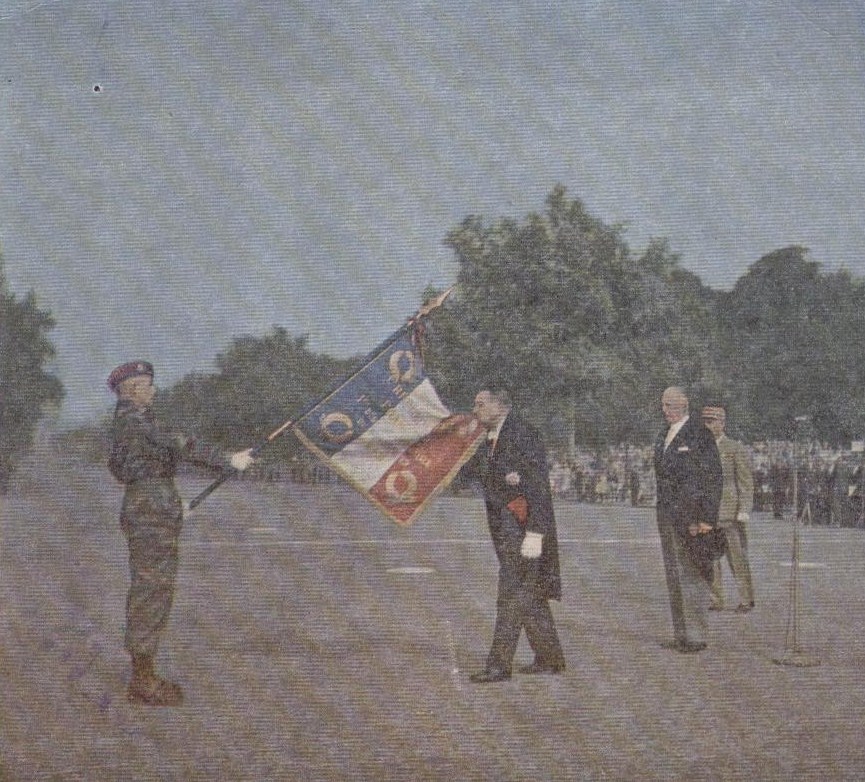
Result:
{"points": [[689, 483]]}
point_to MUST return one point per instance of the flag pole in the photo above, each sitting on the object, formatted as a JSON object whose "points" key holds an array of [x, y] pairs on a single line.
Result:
{"points": [[196, 501], [412, 323]]}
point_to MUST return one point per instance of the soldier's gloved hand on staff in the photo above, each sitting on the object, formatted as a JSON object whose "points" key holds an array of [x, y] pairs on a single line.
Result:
{"points": [[532, 544], [240, 460]]}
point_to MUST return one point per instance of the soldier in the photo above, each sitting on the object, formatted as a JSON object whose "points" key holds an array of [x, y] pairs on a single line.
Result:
{"points": [[144, 458], [779, 477], [734, 513], [843, 487]]}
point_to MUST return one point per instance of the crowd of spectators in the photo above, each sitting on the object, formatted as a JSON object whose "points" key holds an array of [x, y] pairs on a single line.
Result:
{"points": [[622, 474], [827, 484]]}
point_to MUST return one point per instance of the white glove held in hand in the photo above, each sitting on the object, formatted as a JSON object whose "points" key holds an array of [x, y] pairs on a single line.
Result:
{"points": [[240, 460], [531, 548]]}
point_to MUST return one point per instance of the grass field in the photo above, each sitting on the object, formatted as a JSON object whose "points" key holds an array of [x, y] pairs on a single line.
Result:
{"points": [[317, 641]]}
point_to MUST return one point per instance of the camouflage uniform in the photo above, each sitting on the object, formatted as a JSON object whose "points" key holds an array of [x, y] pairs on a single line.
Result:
{"points": [[144, 457]]}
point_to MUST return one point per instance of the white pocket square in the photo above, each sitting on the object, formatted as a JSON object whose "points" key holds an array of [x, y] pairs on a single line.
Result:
{"points": [[683, 448]]}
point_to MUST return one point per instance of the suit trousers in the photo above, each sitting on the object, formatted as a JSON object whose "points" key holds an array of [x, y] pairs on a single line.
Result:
{"points": [[520, 603], [737, 557], [519, 606], [687, 588]]}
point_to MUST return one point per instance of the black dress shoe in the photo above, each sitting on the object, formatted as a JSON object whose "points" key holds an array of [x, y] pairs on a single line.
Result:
{"points": [[691, 647], [488, 676], [686, 647], [548, 668]]}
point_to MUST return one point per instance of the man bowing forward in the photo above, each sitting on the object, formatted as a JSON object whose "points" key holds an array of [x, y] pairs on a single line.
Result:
{"points": [[513, 472]]}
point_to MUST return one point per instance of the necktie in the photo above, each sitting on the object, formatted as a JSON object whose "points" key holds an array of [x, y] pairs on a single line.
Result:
{"points": [[669, 438], [491, 446]]}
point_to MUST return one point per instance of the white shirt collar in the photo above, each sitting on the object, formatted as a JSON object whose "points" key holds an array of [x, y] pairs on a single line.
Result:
{"points": [[493, 434], [674, 430]]}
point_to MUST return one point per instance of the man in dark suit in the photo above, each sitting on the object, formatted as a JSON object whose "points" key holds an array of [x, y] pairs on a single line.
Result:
{"points": [[689, 483], [513, 471]]}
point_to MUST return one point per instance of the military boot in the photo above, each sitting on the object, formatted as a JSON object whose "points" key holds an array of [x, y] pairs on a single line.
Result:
{"points": [[147, 688]]}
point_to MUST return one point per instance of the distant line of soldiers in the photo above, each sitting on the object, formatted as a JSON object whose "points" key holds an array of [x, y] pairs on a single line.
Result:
{"points": [[829, 492], [831, 487]]}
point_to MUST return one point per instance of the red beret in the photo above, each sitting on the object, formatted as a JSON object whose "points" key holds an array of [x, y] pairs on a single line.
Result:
{"points": [[127, 370]]}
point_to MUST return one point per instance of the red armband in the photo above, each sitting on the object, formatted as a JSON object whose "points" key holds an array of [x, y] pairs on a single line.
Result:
{"points": [[520, 508]]}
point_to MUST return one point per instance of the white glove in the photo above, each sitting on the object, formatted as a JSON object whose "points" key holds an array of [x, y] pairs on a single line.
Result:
{"points": [[743, 516], [532, 542], [240, 460]]}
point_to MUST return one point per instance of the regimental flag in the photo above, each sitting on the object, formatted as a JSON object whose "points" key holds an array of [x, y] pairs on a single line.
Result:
{"points": [[385, 431]]}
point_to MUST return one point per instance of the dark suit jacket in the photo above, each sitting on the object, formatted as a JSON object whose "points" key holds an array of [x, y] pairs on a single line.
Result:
{"points": [[520, 449], [688, 476]]}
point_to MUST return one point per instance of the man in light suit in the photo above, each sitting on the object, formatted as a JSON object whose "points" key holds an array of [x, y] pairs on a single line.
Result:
{"points": [[688, 475], [513, 471], [737, 500]]}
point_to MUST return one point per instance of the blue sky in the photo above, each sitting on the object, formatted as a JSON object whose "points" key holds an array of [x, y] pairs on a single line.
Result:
{"points": [[175, 174]]}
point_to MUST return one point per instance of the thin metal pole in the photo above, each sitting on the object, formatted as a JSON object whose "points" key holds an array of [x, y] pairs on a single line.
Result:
{"points": [[793, 654]]}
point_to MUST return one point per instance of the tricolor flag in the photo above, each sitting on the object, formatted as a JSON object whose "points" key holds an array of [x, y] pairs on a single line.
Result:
{"points": [[385, 431]]}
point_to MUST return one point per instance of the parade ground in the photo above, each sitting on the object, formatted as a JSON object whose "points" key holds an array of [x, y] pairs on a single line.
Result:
{"points": [[315, 640]]}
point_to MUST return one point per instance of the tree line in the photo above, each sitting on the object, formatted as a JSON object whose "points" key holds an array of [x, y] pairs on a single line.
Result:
{"points": [[557, 307], [587, 333], [26, 387]]}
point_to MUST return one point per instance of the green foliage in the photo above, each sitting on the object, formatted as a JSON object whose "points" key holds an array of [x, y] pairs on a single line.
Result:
{"points": [[26, 388], [789, 336], [583, 333], [261, 383], [586, 334]]}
